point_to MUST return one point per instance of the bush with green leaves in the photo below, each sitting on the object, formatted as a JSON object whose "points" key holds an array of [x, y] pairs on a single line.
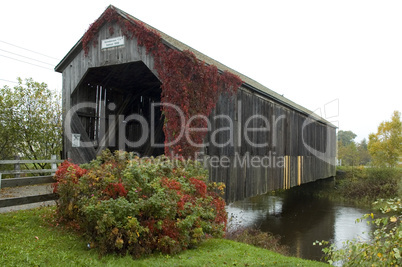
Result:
{"points": [[385, 246], [127, 204], [369, 183]]}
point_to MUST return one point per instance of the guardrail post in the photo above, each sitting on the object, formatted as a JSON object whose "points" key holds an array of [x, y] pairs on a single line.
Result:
{"points": [[17, 167], [54, 164], [0, 180]]}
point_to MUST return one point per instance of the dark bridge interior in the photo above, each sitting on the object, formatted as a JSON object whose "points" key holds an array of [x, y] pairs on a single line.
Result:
{"points": [[118, 92]]}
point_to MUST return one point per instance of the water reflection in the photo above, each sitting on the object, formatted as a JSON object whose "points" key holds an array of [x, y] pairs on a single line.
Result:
{"points": [[345, 225], [249, 212], [300, 219]]}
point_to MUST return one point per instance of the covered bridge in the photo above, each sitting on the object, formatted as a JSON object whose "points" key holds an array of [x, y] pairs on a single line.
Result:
{"points": [[129, 86]]}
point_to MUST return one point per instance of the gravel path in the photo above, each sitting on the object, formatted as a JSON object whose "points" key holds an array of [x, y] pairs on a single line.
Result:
{"points": [[23, 191]]}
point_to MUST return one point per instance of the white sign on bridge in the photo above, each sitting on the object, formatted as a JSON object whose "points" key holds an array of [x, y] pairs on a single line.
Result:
{"points": [[75, 140], [113, 42]]}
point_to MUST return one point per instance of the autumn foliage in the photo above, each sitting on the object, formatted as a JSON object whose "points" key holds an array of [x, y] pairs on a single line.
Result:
{"points": [[126, 204], [385, 146], [187, 82]]}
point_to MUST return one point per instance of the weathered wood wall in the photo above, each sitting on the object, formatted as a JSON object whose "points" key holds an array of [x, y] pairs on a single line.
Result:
{"points": [[280, 159]]}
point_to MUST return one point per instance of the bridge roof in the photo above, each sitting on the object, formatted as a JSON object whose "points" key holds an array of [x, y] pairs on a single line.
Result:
{"points": [[176, 44]]}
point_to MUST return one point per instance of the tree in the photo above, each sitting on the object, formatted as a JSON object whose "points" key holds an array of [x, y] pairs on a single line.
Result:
{"points": [[354, 153], [30, 116], [347, 151], [385, 146], [348, 154], [346, 137], [363, 153], [5, 137]]}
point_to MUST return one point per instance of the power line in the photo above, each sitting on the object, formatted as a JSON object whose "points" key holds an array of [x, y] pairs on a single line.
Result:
{"points": [[26, 57], [8, 81], [29, 50], [26, 62]]}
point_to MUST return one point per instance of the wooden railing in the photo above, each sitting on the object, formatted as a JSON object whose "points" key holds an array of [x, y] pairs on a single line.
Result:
{"points": [[24, 181]]}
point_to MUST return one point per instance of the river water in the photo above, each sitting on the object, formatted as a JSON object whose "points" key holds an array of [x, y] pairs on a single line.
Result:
{"points": [[299, 219]]}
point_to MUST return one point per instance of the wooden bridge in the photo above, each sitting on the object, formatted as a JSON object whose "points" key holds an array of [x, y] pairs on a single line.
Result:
{"points": [[257, 140]]}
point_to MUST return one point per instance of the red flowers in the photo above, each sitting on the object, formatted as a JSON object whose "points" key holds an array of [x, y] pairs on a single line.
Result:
{"points": [[67, 171], [171, 183], [200, 186], [115, 190]]}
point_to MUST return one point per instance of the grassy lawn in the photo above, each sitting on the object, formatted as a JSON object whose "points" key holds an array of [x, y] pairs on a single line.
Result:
{"points": [[27, 238]]}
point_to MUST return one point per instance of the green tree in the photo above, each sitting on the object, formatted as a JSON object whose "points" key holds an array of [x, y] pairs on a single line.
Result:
{"points": [[385, 146], [348, 154], [30, 116], [346, 137], [5, 137], [347, 150], [363, 153]]}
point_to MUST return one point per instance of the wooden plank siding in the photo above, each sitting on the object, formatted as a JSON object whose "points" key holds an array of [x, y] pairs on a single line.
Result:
{"points": [[291, 163]]}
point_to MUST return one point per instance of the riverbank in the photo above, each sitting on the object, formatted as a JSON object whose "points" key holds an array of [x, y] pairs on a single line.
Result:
{"points": [[368, 184], [322, 210], [29, 238], [357, 186], [298, 219]]}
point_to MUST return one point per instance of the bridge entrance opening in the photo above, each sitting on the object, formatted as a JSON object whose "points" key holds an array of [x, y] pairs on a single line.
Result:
{"points": [[123, 113]]}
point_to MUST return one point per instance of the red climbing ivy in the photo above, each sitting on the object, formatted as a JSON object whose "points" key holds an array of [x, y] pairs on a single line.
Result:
{"points": [[187, 82]]}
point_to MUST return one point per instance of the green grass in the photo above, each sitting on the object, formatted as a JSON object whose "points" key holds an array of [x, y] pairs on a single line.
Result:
{"points": [[27, 238]]}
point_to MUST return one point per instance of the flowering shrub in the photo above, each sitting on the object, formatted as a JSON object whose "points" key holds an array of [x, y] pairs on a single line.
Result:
{"points": [[136, 205], [67, 177]]}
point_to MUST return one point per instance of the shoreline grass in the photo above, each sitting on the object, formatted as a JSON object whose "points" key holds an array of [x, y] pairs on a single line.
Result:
{"points": [[30, 238], [357, 186]]}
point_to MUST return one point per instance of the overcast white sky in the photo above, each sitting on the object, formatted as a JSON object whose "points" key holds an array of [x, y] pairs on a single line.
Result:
{"points": [[316, 53]]}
